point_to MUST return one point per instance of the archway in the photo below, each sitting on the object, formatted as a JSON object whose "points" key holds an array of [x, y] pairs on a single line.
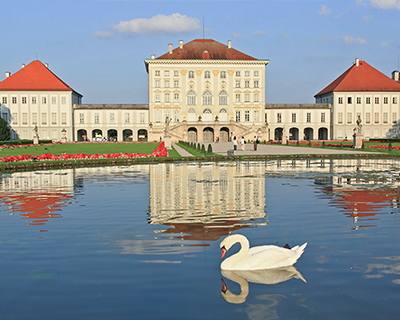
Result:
{"points": [[322, 134], [293, 134], [112, 135], [82, 135], [308, 134], [127, 135], [208, 134], [224, 134], [97, 135], [192, 134], [142, 135], [278, 133]]}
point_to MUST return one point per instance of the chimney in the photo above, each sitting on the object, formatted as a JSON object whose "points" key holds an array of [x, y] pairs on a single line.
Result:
{"points": [[23, 65], [357, 63], [47, 65], [229, 44], [153, 56], [395, 76], [170, 48], [180, 44], [8, 73]]}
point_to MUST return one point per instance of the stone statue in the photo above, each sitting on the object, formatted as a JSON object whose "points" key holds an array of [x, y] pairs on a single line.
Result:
{"points": [[36, 132], [357, 129], [167, 121]]}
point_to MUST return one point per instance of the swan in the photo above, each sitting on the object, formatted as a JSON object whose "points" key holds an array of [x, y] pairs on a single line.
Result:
{"points": [[258, 258]]}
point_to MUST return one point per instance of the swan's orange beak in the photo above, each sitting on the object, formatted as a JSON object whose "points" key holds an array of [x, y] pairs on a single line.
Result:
{"points": [[224, 288], [223, 251]]}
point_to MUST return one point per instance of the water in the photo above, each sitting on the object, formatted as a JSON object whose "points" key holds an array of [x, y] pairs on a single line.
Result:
{"points": [[142, 242]]}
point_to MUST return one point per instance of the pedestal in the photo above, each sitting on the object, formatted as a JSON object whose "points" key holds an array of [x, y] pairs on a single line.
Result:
{"points": [[35, 140], [283, 139], [64, 139], [358, 140], [167, 142]]}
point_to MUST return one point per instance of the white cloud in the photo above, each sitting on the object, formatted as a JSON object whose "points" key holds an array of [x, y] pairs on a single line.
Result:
{"points": [[159, 24], [386, 4], [385, 43], [324, 10], [368, 17], [237, 35], [351, 40], [102, 34], [259, 32]]}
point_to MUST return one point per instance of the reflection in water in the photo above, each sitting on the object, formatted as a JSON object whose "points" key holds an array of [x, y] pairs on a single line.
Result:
{"points": [[382, 269], [267, 276]]}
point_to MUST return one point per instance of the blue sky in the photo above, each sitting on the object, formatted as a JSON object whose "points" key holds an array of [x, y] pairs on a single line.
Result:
{"points": [[99, 47]]}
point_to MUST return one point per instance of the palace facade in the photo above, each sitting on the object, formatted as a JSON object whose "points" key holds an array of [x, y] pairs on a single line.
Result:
{"points": [[203, 91]]}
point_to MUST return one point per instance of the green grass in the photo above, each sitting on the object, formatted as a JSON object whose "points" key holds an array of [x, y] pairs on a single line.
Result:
{"points": [[197, 153], [88, 148]]}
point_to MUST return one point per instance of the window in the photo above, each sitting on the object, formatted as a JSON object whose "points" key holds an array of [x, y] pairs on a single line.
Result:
{"points": [[368, 100], [237, 73], [44, 118], [223, 75], [247, 84], [112, 118], [176, 96], [191, 98], [349, 117], [376, 117], [141, 117], [53, 100], [237, 97], [63, 118], [14, 100], [238, 84], [256, 116], [207, 74], [247, 97], [207, 98], [4, 100], [394, 117], [247, 73], [14, 118], [176, 83], [158, 116], [349, 100], [34, 118], [256, 73], [157, 97], [166, 84], [385, 117], [308, 116], [166, 97], [394, 100], [340, 117], [368, 117], [96, 118], [340, 133], [358, 100], [24, 118], [279, 117], [63, 100], [127, 117], [237, 116], [81, 118], [255, 83], [53, 118], [44, 100], [376, 100], [176, 73], [191, 74], [33, 100], [54, 134], [340, 100], [176, 116], [323, 117], [157, 73], [166, 73], [247, 116], [294, 116], [385, 100], [223, 98], [23, 100], [157, 83], [256, 97]]}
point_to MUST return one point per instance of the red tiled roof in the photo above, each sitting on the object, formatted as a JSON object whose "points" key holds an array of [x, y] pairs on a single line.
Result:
{"points": [[205, 49], [361, 78], [34, 77]]}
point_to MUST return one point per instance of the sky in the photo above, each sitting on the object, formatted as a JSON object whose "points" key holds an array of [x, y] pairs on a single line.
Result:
{"points": [[98, 47]]}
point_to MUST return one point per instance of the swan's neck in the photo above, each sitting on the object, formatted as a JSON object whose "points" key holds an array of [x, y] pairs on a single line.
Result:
{"points": [[244, 243]]}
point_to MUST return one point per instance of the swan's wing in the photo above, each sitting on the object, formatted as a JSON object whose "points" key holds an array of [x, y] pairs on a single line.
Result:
{"points": [[264, 257]]}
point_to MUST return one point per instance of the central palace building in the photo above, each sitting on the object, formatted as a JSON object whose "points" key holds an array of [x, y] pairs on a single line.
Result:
{"points": [[203, 91]]}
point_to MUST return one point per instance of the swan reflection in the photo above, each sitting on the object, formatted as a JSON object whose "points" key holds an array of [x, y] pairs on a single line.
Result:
{"points": [[267, 276]]}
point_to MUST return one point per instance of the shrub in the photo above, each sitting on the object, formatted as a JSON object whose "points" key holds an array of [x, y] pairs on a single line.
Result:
{"points": [[203, 149], [198, 146], [309, 143], [390, 146], [323, 144], [209, 149]]}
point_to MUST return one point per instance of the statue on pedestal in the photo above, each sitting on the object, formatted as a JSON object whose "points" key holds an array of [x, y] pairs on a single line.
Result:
{"points": [[359, 126], [166, 129]]}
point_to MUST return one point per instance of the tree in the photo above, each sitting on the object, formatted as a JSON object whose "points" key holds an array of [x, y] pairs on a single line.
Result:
{"points": [[4, 130]]}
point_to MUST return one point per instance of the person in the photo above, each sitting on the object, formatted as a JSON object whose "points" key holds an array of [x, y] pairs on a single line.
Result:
{"points": [[235, 143], [243, 143], [255, 143]]}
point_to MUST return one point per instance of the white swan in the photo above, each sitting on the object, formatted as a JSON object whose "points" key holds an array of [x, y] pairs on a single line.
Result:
{"points": [[257, 258]]}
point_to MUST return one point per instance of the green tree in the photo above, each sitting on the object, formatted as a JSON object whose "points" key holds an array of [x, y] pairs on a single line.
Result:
{"points": [[5, 133]]}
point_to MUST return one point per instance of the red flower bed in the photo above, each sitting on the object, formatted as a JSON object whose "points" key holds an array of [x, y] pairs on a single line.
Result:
{"points": [[161, 151]]}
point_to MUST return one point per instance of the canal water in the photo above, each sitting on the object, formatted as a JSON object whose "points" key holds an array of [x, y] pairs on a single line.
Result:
{"points": [[142, 242]]}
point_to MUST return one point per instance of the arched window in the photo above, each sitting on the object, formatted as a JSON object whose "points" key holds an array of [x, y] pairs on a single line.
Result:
{"points": [[191, 98], [223, 111], [191, 110], [207, 98], [223, 98], [207, 111]]}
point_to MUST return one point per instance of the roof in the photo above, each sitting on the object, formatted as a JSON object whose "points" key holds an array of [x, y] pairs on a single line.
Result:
{"points": [[206, 49], [34, 77], [361, 78]]}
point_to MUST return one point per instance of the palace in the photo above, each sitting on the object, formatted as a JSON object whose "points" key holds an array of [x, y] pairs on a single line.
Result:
{"points": [[202, 91]]}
